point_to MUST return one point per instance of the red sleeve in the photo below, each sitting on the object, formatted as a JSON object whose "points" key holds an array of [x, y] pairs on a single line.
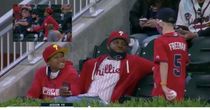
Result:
{"points": [[38, 28], [160, 53], [85, 75], [74, 84], [51, 20], [36, 88]]}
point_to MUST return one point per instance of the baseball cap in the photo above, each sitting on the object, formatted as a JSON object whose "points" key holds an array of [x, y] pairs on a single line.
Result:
{"points": [[118, 35], [49, 10], [52, 50], [167, 15]]}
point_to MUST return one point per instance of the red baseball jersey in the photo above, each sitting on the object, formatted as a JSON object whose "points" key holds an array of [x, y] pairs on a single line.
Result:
{"points": [[47, 20], [43, 87], [170, 48]]}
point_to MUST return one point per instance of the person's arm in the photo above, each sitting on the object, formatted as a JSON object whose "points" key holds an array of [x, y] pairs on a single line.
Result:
{"points": [[22, 23], [35, 90], [205, 32], [75, 89], [163, 74], [51, 20]]}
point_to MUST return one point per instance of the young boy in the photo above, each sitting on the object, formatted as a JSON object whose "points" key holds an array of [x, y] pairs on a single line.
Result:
{"points": [[170, 58]]}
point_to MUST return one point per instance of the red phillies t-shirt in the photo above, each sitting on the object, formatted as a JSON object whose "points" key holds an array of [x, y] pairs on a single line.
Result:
{"points": [[170, 48]]}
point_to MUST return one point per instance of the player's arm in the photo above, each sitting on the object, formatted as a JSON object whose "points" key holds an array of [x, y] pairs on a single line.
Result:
{"points": [[163, 73]]}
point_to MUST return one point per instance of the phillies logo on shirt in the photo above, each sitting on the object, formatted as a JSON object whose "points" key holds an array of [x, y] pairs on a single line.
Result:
{"points": [[50, 91], [108, 69], [187, 16]]}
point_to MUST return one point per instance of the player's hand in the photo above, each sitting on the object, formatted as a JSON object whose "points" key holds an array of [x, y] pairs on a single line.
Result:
{"points": [[169, 93], [65, 92]]}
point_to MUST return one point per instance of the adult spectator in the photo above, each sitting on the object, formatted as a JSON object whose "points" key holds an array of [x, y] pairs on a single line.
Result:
{"points": [[193, 18], [21, 25], [113, 75]]}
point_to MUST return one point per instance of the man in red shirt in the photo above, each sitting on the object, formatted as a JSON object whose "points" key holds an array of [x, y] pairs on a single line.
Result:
{"points": [[47, 20], [170, 58], [113, 75], [58, 78]]}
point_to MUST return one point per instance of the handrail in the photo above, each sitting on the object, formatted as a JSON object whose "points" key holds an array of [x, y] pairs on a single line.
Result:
{"points": [[28, 49]]}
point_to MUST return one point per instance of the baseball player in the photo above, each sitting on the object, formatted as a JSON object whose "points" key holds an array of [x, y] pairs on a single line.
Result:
{"points": [[58, 78], [170, 58], [47, 20], [194, 16]]}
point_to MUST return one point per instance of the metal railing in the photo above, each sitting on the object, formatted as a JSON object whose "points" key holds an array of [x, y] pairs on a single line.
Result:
{"points": [[12, 53]]}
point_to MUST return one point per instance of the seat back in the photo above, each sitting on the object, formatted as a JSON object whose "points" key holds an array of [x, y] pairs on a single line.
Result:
{"points": [[199, 55], [148, 51], [199, 86], [145, 86]]}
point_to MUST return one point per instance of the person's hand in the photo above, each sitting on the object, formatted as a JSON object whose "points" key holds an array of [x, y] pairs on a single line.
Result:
{"points": [[29, 29], [150, 23], [17, 23], [187, 34], [65, 92], [169, 93], [142, 21]]}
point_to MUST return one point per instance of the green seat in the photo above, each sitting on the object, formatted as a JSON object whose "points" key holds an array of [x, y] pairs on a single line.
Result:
{"points": [[56, 8], [100, 50], [145, 86], [41, 8], [148, 51], [199, 86], [199, 55]]}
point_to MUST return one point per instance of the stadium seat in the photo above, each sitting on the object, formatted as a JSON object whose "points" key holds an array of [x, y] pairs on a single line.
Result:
{"points": [[56, 8], [145, 86], [198, 86], [101, 49], [199, 55], [148, 50]]}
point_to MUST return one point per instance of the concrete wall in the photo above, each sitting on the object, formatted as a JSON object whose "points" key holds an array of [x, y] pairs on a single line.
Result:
{"points": [[87, 32]]}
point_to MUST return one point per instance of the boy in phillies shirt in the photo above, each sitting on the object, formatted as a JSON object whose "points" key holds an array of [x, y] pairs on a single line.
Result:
{"points": [[58, 78], [170, 58]]}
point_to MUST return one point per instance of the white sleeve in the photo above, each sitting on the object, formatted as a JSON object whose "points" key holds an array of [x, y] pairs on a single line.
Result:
{"points": [[181, 17]]}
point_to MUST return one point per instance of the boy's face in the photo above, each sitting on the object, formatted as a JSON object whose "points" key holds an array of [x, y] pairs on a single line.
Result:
{"points": [[57, 62], [25, 13], [118, 45]]}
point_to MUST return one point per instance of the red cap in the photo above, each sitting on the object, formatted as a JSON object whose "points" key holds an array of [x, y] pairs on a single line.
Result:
{"points": [[49, 10], [52, 50], [118, 35]]}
